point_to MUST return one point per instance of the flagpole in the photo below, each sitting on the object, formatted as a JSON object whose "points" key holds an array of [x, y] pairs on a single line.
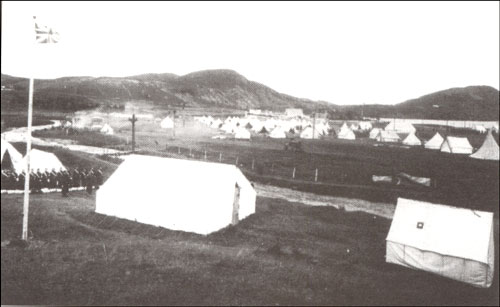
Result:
{"points": [[26, 203], [28, 170]]}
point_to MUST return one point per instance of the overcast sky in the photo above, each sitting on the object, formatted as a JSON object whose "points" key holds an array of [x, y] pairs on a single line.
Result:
{"points": [[344, 53]]}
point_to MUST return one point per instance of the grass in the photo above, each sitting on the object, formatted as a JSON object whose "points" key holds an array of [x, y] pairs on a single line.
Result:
{"points": [[81, 137], [284, 254]]}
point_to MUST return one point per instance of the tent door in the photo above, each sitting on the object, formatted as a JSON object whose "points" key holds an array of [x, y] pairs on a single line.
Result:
{"points": [[236, 205]]}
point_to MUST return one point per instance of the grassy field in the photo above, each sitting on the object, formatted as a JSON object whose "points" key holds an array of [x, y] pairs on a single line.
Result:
{"points": [[284, 254]]}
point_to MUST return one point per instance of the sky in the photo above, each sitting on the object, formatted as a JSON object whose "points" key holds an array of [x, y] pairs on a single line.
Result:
{"points": [[341, 52]]}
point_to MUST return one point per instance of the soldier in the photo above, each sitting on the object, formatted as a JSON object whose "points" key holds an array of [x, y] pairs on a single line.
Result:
{"points": [[98, 178], [83, 177], [76, 178], [53, 175], [34, 182], [64, 182], [20, 180], [89, 181]]}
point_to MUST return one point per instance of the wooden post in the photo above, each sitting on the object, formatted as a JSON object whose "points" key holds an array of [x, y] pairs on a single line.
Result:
{"points": [[293, 174], [253, 162], [190, 152], [205, 154], [133, 120], [316, 176], [220, 156], [236, 161], [178, 150]]}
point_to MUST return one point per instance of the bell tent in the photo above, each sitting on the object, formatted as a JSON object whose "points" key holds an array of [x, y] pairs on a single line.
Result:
{"points": [[11, 158], [489, 149], [412, 140], [435, 142], [41, 160]]}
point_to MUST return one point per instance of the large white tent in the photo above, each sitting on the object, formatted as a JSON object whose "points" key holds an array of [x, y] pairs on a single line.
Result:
{"points": [[435, 142], [489, 149], [185, 195], [41, 160], [11, 158], [453, 242], [456, 145], [400, 126], [412, 140]]}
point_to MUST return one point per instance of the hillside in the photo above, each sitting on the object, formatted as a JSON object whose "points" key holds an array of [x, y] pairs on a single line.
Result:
{"points": [[204, 89], [467, 103]]}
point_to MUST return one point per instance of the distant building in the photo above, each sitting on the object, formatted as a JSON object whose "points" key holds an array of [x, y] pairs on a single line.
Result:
{"points": [[294, 113]]}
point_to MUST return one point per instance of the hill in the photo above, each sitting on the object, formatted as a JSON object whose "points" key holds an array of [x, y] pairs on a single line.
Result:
{"points": [[467, 103], [203, 89]]}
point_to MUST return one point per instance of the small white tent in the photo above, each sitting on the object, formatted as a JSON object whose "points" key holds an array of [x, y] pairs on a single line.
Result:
{"points": [[456, 145], [412, 140], [489, 149], [41, 160], [11, 158], [106, 129], [435, 142], [241, 133], [480, 128], [388, 136], [184, 195], [278, 133], [374, 133], [365, 126], [344, 128], [453, 242], [167, 123], [347, 135], [307, 133]]}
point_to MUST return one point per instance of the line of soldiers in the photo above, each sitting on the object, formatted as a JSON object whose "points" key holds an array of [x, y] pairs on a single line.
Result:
{"points": [[62, 179]]}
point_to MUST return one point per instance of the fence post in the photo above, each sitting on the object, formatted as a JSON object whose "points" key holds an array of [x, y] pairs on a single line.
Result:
{"points": [[236, 161], [253, 161], [220, 156], [293, 174], [205, 154], [178, 150], [316, 176], [190, 152]]}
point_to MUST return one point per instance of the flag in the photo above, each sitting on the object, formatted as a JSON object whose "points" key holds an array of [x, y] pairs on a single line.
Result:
{"points": [[44, 34]]}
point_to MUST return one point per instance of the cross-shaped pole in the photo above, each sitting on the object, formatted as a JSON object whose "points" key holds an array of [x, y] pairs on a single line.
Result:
{"points": [[133, 119]]}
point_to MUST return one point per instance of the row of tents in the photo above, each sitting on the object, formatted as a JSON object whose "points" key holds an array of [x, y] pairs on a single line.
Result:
{"points": [[13, 160]]}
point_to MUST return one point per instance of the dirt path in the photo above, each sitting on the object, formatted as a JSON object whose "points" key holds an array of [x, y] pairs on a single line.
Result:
{"points": [[381, 209]]}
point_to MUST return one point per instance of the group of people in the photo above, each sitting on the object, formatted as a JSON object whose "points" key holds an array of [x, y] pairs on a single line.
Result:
{"points": [[54, 180]]}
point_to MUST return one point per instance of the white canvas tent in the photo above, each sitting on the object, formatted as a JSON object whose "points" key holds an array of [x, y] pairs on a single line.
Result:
{"points": [[374, 133], [453, 242], [241, 133], [167, 123], [278, 133], [456, 145], [10, 156], [399, 126], [412, 140], [347, 135], [388, 136], [106, 129], [185, 195], [489, 149], [365, 126], [41, 160], [435, 142], [307, 133]]}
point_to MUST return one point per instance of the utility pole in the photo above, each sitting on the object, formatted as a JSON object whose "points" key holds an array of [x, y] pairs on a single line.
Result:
{"points": [[133, 120]]}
